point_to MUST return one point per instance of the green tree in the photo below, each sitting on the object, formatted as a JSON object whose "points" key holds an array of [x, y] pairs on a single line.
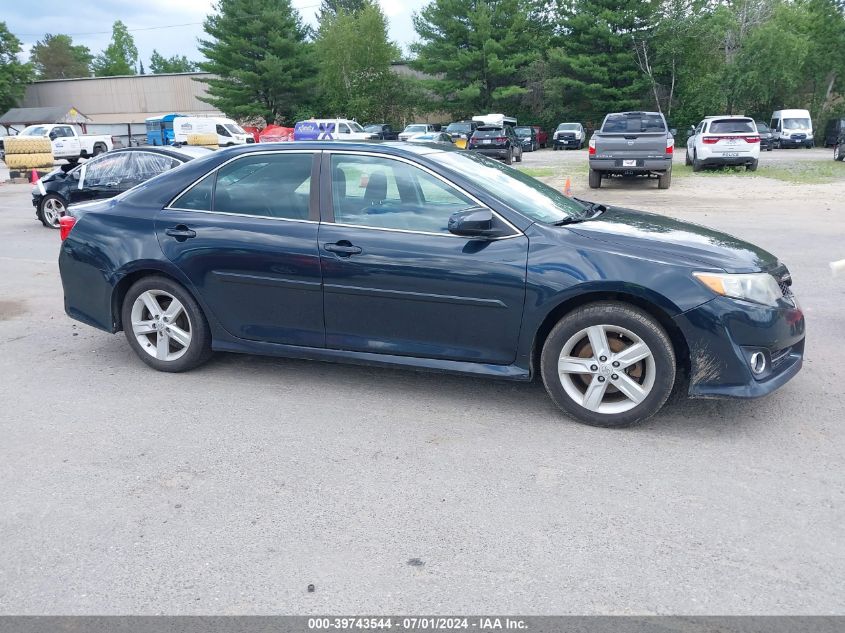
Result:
{"points": [[176, 64], [263, 63], [354, 56], [56, 57], [329, 8], [593, 66], [479, 51], [14, 75], [120, 56]]}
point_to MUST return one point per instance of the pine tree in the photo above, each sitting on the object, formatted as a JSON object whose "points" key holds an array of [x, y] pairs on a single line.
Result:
{"points": [[120, 56], [593, 68], [263, 64], [480, 51], [56, 57]]}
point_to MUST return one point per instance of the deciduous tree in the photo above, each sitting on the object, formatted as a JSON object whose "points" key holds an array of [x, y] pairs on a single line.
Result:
{"points": [[56, 57], [14, 75], [120, 56]]}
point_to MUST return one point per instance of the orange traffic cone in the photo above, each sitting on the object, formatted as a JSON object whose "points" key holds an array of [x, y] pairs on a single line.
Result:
{"points": [[34, 177], [567, 187]]}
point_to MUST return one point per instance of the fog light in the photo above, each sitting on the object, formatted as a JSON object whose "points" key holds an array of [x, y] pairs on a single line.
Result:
{"points": [[758, 362]]}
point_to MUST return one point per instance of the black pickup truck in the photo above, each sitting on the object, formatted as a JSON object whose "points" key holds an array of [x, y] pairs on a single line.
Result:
{"points": [[632, 144]]}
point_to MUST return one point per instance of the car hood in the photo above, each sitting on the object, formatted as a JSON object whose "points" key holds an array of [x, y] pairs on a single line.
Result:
{"points": [[677, 239]]}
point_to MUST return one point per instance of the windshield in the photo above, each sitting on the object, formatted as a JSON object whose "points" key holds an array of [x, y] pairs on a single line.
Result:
{"points": [[416, 128], [762, 127], [633, 122], [523, 131], [796, 124], [732, 126], [567, 127], [234, 129], [521, 192], [458, 128], [34, 130], [372, 128], [356, 127]]}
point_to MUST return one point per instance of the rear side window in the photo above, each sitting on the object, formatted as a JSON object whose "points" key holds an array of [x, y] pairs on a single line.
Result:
{"points": [[266, 185], [633, 123], [147, 164], [732, 126]]}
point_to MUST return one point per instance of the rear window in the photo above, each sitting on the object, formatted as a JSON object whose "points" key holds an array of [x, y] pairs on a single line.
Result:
{"points": [[633, 122], [732, 126], [489, 133]]}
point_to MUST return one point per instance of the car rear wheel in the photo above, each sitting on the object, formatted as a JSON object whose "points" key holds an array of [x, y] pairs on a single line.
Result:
{"points": [[50, 209], [687, 160], [665, 179], [595, 179], [752, 166], [509, 157], [837, 152], [165, 326], [519, 155], [608, 364], [697, 165]]}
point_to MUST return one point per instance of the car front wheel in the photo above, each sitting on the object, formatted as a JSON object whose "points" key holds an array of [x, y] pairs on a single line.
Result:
{"points": [[837, 152], [50, 209], [608, 364], [165, 325]]}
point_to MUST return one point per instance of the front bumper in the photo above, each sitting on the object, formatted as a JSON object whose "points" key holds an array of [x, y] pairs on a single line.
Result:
{"points": [[567, 142], [800, 141], [723, 333]]}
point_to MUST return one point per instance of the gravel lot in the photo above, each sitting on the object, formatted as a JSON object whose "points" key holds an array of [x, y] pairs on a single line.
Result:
{"points": [[230, 489]]}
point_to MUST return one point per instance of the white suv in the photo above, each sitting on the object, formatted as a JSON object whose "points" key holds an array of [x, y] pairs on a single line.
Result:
{"points": [[724, 140]]}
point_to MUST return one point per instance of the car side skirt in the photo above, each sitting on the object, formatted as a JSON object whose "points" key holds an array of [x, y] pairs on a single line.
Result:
{"points": [[506, 372]]}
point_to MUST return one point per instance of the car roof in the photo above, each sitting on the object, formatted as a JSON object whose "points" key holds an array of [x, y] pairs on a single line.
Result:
{"points": [[186, 152], [727, 116], [397, 148]]}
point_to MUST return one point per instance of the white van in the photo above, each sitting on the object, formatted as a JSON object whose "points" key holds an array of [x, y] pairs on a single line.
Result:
{"points": [[185, 125], [792, 128], [230, 133]]}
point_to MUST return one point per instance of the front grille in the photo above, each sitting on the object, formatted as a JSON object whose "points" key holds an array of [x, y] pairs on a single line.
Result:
{"points": [[784, 279], [779, 356]]}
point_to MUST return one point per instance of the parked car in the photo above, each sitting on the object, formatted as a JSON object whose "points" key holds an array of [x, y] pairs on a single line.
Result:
{"points": [[833, 130], [382, 131], [104, 177], [792, 128], [527, 135], [460, 131], [632, 144], [498, 142], [330, 129], [767, 139], [542, 136], [433, 259], [569, 135], [724, 140], [414, 129], [68, 144], [438, 138]]}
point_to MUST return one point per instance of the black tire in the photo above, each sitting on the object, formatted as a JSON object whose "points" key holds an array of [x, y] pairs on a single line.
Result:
{"points": [[752, 166], [665, 179], [48, 215], [837, 152], [770, 147], [519, 156], [642, 325], [595, 179], [697, 165], [687, 160], [199, 349], [509, 158], [99, 148]]}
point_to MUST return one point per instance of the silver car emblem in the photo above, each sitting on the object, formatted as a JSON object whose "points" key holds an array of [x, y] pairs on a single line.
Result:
{"points": [[630, 142]]}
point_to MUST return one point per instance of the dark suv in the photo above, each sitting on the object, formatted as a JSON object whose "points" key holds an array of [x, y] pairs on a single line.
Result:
{"points": [[383, 131], [498, 142]]}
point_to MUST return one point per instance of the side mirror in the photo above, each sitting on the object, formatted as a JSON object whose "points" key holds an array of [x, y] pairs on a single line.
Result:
{"points": [[673, 131], [53, 136], [692, 130], [475, 222]]}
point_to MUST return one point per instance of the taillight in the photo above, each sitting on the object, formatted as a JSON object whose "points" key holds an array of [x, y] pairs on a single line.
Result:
{"points": [[752, 139], [592, 149], [670, 145], [711, 140], [500, 139], [66, 223]]}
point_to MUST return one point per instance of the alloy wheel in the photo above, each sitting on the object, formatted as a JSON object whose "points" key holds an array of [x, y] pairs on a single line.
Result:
{"points": [[53, 209], [606, 369], [161, 325]]}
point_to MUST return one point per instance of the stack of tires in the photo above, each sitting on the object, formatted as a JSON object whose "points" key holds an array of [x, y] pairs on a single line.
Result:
{"points": [[203, 140], [24, 153]]}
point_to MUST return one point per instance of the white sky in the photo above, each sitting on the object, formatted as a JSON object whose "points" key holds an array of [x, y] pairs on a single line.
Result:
{"points": [[89, 22]]}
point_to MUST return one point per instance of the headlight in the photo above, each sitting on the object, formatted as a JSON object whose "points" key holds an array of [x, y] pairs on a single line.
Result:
{"points": [[756, 287], [577, 134]]}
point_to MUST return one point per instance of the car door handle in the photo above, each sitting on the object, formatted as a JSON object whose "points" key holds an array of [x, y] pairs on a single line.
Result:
{"points": [[343, 248], [180, 232]]}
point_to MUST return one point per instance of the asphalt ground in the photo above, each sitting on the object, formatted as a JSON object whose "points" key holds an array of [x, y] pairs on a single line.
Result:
{"points": [[230, 489]]}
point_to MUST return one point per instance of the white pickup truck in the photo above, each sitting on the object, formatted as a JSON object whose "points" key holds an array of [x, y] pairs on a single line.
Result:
{"points": [[68, 143]]}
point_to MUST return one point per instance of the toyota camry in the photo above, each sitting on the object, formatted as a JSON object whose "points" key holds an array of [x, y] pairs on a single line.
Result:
{"points": [[424, 257]]}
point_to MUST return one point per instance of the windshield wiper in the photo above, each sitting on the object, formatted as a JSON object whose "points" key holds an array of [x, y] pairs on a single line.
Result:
{"points": [[593, 209]]}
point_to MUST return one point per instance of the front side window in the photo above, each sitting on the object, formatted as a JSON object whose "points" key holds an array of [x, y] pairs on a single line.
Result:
{"points": [[109, 170], [390, 194], [268, 185], [222, 131]]}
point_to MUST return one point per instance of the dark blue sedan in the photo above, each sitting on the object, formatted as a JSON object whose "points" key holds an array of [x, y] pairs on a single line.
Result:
{"points": [[430, 258]]}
